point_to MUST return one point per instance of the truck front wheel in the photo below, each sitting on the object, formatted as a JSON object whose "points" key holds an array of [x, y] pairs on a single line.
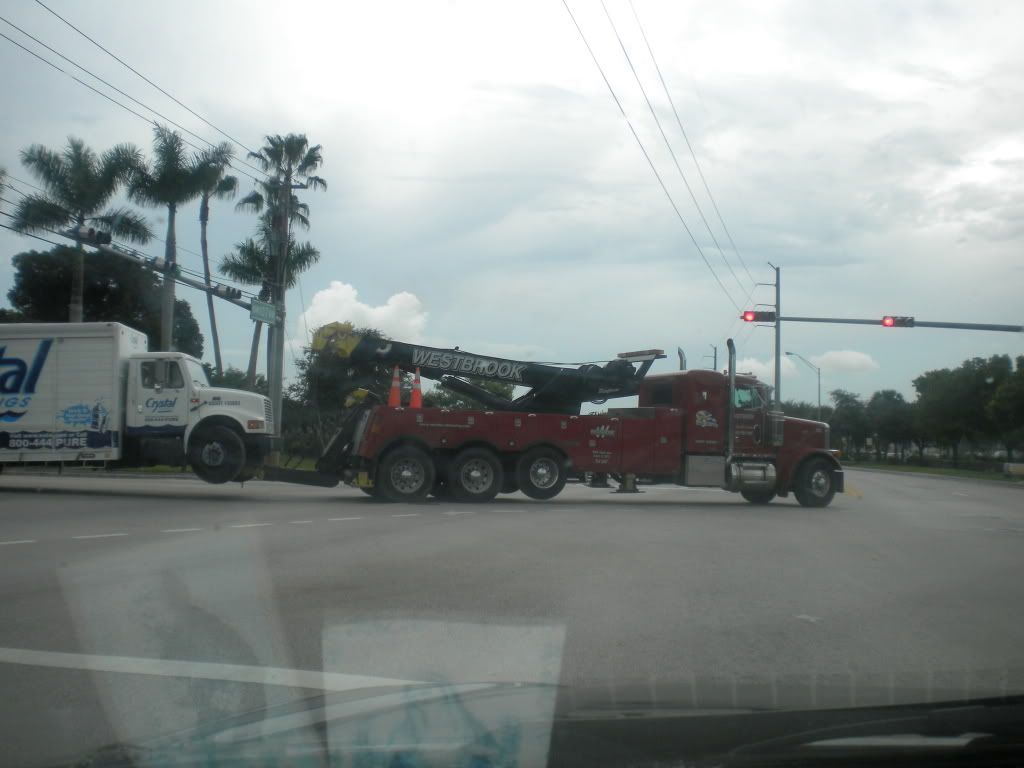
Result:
{"points": [[814, 486], [405, 474], [541, 473], [216, 454], [475, 475]]}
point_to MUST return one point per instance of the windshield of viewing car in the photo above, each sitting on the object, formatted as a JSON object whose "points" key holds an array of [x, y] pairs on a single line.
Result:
{"points": [[365, 381]]}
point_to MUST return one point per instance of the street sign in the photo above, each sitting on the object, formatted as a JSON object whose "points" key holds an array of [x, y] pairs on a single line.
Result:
{"points": [[263, 312]]}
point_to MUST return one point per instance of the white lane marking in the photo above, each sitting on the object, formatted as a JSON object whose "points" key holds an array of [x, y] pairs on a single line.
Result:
{"points": [[300, 522], [340, 519], [19, 541], [808, 619], [249, 525], [960, 493], [180, 530], [411, 514], [454, 512], [236, 673], [100, 536]]}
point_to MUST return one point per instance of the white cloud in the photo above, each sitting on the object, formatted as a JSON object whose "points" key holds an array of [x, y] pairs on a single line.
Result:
{"points": [[402, 316], [764, 370], [845, 361]]}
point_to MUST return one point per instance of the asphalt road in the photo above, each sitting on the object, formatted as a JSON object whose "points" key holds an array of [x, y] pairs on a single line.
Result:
{"points": [[136, 607]]}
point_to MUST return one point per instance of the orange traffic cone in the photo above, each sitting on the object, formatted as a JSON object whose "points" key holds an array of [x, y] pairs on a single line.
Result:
{"points": [[416, 398], [395, 395]]}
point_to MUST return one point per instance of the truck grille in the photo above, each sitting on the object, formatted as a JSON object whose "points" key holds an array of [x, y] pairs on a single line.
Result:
{"points": [[268, 413]]}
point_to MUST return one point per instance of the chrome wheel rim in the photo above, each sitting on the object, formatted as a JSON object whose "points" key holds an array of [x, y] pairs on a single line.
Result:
{"points": [[543, 473], [476, 476], [820, 482], [407, 476]]}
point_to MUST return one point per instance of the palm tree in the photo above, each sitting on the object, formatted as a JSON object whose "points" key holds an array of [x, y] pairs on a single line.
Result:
{"points": [[77, 186], [211, 167], [252, 263], [289, 163], [170, 180]]}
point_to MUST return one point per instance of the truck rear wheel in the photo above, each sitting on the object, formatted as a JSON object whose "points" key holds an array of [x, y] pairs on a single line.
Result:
{"points": [[541, 473], [814, 486], [475, 475], [216, 453], [758, 497], [405, 474]]}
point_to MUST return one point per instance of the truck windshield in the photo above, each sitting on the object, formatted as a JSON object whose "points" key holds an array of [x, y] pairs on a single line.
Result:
{"points": [[197, 373]]}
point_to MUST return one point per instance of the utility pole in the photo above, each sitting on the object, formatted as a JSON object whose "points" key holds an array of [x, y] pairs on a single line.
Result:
{"points": [[778, 337], [275, 347], [713, 356], [817, 370], [167, 292]]}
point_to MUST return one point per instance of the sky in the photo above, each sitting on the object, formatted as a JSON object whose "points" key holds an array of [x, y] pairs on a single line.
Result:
{"points": [[485, 190]]}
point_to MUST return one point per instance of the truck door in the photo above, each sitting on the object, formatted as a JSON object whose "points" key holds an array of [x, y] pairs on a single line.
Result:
{"points": [[750, 410], [158, 399]]}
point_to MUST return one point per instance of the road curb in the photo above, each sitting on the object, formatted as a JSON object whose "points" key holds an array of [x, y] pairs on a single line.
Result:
{"points": [[1000, 483]]}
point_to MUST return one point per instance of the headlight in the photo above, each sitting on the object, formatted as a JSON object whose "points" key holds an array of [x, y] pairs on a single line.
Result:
{"points": [[255, 425]]}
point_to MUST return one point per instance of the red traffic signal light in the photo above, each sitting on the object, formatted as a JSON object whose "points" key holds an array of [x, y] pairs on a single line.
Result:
{"points": [[750, 316], [897, 321]]}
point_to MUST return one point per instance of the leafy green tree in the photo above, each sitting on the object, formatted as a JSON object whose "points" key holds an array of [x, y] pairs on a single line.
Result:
{"points": [[889, 417], [941, 408], [170, 180], [251, 263], [440, 397], [1006, 409], [324, 379], [235, 378], [848, 422], [11, 316], [115, 291], [78, 186], [211, 169]]}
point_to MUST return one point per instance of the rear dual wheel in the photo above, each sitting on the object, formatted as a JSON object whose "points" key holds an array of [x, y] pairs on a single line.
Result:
{"points": [[405, 474]]}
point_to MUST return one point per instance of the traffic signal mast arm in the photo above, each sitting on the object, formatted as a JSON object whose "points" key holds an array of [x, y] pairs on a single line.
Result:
{"points": [[888, 321], [552, 389], [101, 241]]}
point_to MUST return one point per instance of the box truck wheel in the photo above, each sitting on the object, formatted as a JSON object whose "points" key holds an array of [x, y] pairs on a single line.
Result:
{"points": [[814, 486], [541, 473], [405, 474], [475, 475], [216, 453]]}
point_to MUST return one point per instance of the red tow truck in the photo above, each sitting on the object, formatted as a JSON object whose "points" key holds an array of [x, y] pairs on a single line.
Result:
{"points": [[693, 428]]}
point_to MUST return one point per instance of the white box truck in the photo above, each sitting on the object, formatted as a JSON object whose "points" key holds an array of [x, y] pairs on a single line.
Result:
{"points": [[91, 392]]}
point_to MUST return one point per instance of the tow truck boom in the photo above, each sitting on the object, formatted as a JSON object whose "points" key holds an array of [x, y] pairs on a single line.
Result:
{"points": [[552, 388]]}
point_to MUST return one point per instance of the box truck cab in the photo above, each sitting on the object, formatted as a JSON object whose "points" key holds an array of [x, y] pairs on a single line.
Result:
{"points": [[91, 392]]}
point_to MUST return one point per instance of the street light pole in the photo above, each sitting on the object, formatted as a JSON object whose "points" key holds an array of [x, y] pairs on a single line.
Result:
{"points": [[817, 370]]}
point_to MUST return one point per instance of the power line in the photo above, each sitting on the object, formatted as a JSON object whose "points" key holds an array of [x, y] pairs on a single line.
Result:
{"points": [[654, 170], [668, 144], [110, 98], [689, 146], [26, 183], [118, 90], [132, 69], [26, 234]]}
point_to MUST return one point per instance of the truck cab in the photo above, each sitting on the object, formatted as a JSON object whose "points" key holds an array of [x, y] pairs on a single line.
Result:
{"points": [[760, 452], [173, 415]]}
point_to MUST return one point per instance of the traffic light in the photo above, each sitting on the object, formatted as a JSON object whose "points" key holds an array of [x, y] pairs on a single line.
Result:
{"points": [[897, 321], [750, 316], [227, 292], [89, 235]]}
